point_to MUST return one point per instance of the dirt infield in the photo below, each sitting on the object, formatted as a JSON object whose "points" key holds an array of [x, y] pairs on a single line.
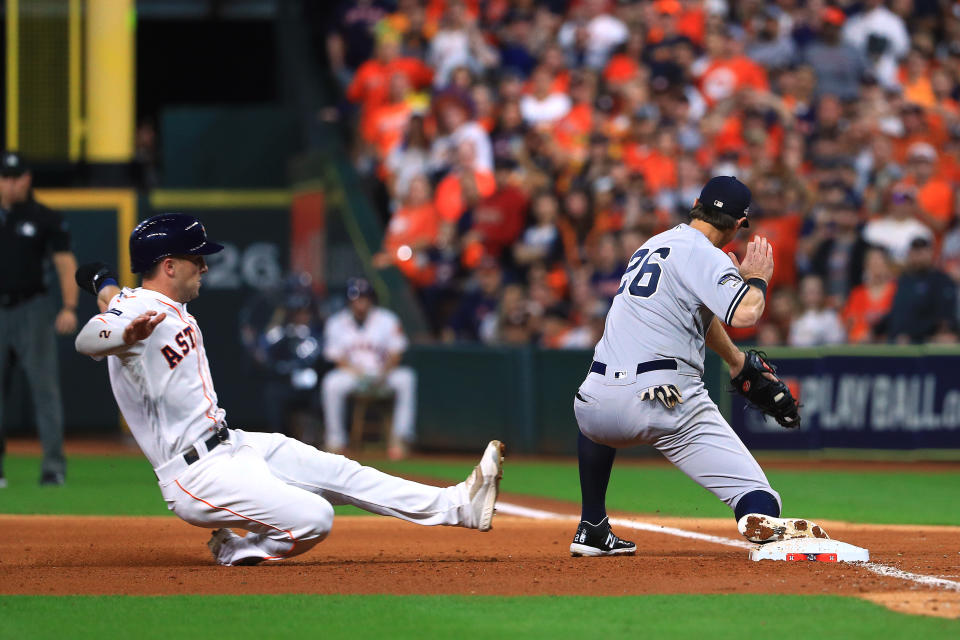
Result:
{"points": [[59, 555]]}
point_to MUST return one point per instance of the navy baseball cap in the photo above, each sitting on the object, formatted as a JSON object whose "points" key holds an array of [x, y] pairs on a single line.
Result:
{"points": [[357, 288], [12, 165], [726, 195]]}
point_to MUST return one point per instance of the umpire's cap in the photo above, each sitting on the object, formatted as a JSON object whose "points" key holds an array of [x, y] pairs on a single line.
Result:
{"points": [[728, 196], [165, 235], [359, 288], [12, 165]]}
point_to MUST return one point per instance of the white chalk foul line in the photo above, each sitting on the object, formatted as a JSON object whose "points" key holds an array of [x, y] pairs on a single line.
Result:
{"points": [[875, 567], [893, 572]]}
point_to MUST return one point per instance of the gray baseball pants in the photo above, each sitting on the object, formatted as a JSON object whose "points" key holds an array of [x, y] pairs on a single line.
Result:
{"points": [[693, 435], [27, 330]]}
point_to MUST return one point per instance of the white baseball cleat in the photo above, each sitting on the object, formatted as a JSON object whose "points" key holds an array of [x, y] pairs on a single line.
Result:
{"points": [[221, 537], [218, 538], [759, 528], [483, 486]]}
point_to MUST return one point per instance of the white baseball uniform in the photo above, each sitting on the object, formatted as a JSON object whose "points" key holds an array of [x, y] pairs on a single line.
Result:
{"points": [[654, 335], [279, 489], [366, 348]]}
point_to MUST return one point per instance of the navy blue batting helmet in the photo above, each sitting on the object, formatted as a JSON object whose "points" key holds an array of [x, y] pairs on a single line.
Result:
{"points": [[165, 235]]}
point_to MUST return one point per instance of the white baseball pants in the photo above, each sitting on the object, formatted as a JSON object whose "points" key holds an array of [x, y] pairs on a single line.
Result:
{"points": [[282, 491], [339, 383]]}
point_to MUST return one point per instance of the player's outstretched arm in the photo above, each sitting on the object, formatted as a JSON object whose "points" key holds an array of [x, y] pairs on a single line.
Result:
{"points": [[756, 270], [107, 334]]}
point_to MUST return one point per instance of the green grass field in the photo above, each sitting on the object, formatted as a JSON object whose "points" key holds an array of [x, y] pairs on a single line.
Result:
{"points": [[301, 616], [858, 496], [126, 486]]}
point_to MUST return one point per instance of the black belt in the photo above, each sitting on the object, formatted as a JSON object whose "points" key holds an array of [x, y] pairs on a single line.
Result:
{"points": [[643, 367], [17, 297], [220, 435]]}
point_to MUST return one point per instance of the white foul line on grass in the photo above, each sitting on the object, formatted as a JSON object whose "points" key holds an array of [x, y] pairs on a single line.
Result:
{"points": [[875, 567]]}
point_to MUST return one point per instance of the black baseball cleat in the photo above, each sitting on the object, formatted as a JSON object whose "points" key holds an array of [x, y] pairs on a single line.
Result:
{"points": [[599, 540], [51, 479]]}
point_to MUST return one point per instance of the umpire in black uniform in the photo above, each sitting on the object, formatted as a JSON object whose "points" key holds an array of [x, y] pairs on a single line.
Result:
{"points": [[29, 232]]}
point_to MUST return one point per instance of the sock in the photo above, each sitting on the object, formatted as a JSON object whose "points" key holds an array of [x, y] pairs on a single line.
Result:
{"points": [[758, 501], [596, 462]]}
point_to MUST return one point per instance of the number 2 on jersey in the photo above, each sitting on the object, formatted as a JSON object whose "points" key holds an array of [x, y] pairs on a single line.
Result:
{"points": [[644, 283]]}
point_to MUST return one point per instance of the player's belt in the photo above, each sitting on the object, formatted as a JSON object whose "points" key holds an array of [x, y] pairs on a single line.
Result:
{"points": [[643, 367], [211, 443]]}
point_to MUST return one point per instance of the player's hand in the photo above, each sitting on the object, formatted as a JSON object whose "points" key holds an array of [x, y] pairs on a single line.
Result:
{"points": [[142, 326], [757, 261], [66, 321]]}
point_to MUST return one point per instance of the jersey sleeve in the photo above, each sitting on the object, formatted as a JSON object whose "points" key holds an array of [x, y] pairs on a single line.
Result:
{"points": [[396, 340], [718, 286], [333, 349], [102, 335]]}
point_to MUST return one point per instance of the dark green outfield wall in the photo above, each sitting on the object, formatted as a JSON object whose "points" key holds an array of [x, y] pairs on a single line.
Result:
{"points": [[469, 394]]}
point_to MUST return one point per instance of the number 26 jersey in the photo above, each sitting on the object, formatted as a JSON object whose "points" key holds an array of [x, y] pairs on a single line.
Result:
{"points": [[672, 288]]}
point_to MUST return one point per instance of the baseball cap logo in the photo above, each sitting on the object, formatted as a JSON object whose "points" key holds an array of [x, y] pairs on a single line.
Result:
{"points": [[718, 204]]}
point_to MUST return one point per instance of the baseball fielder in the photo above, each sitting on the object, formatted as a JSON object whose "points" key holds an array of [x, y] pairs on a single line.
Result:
{"points": [[645, 386], [278, 489]]}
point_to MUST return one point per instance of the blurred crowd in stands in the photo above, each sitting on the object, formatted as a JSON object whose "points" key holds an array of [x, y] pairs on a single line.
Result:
{"points": [[524, 150]]}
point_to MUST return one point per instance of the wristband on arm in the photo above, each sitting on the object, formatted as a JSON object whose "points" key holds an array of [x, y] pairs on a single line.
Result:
{"points": [[759, 283], [94, 276]]}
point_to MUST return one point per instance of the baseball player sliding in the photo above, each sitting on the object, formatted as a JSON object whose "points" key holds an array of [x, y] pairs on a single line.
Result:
{"points": [[278, 489], [644, 385]]}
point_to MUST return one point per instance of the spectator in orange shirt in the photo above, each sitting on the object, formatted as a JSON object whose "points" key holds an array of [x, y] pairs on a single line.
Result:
{"points": [[942, 85], [463, 187], [624, 66], [770, 218], [727, 70], [572, 132], [918, 126], [692, 20], [383, 126], [915, 79], [411, 231], [870, 302], [934, 196], [369, 87]]}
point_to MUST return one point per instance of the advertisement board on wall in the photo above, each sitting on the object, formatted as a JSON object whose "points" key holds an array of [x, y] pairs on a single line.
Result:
{"points": [[871, 401]]}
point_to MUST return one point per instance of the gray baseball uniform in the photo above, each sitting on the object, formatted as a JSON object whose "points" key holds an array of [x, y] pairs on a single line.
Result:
{"points": [[654, 335]]}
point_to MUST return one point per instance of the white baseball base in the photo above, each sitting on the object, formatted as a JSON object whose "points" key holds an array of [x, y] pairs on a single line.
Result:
{"points": [[810, 550]]}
